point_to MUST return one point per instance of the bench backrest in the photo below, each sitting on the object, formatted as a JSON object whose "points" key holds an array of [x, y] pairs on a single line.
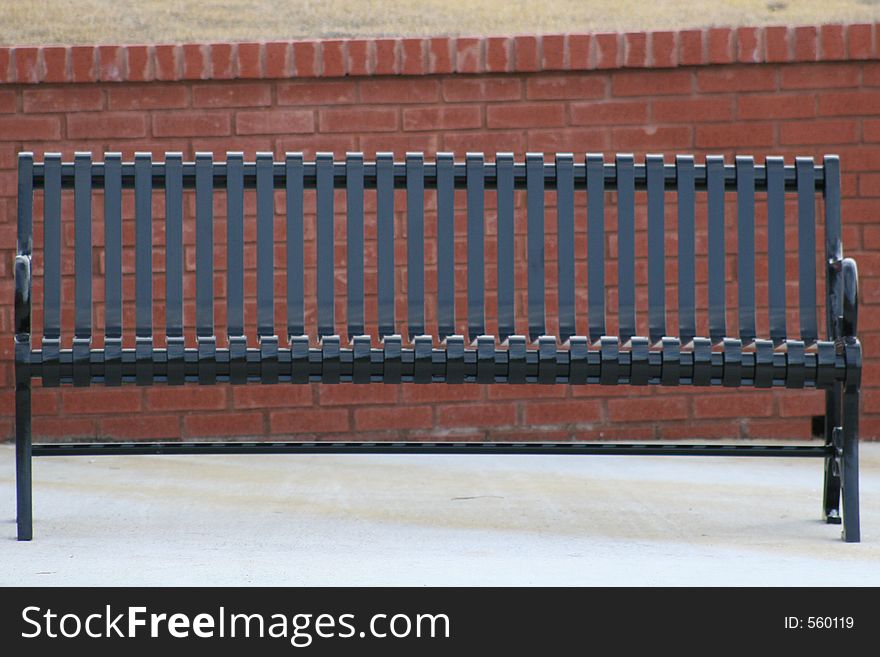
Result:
{"points": [[560, 177]]}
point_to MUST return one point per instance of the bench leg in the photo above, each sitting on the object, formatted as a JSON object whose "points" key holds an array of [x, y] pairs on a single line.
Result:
{"points": [[23, 461], [849, 469], [831, 492]]}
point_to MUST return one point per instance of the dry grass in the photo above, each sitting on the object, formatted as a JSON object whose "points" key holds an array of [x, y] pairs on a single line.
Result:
{"points": [[155, 21]]}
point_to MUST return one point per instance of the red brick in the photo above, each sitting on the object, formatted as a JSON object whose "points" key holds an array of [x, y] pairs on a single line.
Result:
{"points": [[870, 132], [818, 76], [440, 58], [530, 115], [358, 120], [424, 90], [635, 49], [271, 396], [140, 97], [412, 57], [191, 124], [17, 128], [499, 57], [871, 74], [553, 52], [28, 68], [274, 122], [564, 412], [703, 430], [528, 391], [398, 417], [690, 47], [481, 89], [249, 58], [167, 59], [477, 415], [8, 104], [775, 106], [305, 59], [222, 61], [527, 53], [579, 52], [687, 110], [139, 63], [71, 98], [82, 64], [469, 55], [653, 137], [749, 78], [196, 61], [579, 140], [748, 45], [802, 404], [776, 429], [5, 64], [739, 404], [55, 64], [360, 61], [609, 113], [818, 132], [638, 83], [140, 427], [733, 136], [664, 53], [399, 143], [173, 398], [442, 118], [833, 44], [277, 59], [719, 46], [776, 44], [245, 94], [318, 420], [208, 425], [350, 394], [851, 103], [607, 50], [316, 93], [333, 58], [559, 87], [106, 124], [387, 60], [99, 400], [67, 428], [112, 65], [860, 41], [806, 43], [648, 410]]}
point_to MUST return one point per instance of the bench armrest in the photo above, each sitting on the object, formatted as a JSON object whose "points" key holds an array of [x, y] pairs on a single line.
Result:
{"points": [[22, 297], [850, 320]]}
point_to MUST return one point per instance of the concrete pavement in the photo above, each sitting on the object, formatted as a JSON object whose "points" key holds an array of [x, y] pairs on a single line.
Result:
{"points": [[434, 520]]}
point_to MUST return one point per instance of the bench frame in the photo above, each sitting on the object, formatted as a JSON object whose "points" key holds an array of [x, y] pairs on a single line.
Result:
{"points": [[833, 364]]}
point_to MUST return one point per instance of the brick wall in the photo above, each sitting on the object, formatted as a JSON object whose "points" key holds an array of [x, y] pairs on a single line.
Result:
{"points": [[804, 91]]}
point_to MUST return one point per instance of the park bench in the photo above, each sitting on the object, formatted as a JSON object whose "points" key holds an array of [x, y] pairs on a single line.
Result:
{"points": [[432, 351]]}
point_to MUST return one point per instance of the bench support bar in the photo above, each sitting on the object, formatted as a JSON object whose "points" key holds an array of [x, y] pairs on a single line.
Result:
{"points": [[23, 452]]}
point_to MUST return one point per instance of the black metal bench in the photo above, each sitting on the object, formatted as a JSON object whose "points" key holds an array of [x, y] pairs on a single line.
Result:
{"points": [[718, 359]]}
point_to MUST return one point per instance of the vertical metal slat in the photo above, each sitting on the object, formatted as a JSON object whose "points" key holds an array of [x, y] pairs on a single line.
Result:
{"points": [[596, 245], [265, 245], [626, 246], [745, 204], [385, 242], [776, 247], [656, 249], [354, 195], [293, 166], [445, 245], [415, 243], [235, 244], [717, 269], [806, 190], [474, 167], [505, 236], [52, 247], [204, 245], [535, 243], [82, 191], [565, 243], [687, 317], [326, 254]]}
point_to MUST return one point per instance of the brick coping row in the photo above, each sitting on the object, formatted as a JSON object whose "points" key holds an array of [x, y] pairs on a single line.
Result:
{"points": [[329, 58]]}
